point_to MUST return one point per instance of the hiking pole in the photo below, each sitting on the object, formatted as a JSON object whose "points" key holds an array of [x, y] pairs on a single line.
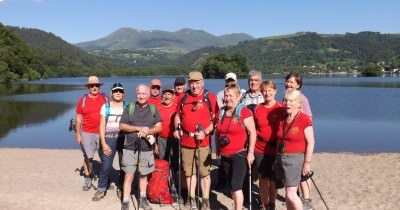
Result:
{"points": [[88, 164], [319, 192], [179, 165], [198, 129], [138, 170], [250, 191]]}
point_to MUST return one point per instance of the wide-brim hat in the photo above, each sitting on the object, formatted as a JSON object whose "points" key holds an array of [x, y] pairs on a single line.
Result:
{"points": [[93, 80]]}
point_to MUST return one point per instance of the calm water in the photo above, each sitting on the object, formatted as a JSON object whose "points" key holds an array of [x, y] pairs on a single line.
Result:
{"points": [[350, 114]]}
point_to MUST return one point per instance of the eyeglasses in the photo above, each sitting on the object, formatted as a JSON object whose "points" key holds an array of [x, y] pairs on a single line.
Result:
{"points": [[118, 91], [156, 87], [94, 85]]}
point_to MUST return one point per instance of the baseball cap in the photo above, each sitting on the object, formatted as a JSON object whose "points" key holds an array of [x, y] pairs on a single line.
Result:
{"points": [[195, 75], [230, 75], [117, 86], [179, 80], [168, 88], [155, 82]]}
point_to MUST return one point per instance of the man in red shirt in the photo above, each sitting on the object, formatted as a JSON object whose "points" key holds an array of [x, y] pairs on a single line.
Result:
{"points": [[180, 88], [88, 124], [155, 97], [195, 114]]}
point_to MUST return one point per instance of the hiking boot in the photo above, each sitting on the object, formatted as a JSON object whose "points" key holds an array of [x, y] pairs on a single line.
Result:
{"points": [[88, 184], [307, 204], [205, 204], [125, 206], [144, 204], [191, 204], [98, 196]]}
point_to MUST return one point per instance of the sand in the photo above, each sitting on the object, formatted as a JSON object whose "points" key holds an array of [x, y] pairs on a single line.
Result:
{"points": [[47, 179]]}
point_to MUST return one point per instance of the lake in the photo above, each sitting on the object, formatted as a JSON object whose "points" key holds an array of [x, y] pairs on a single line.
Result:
{"points": [[350, 114]]}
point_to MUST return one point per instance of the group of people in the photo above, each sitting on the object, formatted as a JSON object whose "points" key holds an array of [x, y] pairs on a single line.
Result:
{"points": [[254, 132]]}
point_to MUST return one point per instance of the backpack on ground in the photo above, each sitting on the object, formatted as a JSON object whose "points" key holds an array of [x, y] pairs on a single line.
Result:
{"points": [[158, 187]]}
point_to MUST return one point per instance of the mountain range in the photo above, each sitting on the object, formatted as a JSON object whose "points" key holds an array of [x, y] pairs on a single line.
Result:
{"points": [[181, 41]]}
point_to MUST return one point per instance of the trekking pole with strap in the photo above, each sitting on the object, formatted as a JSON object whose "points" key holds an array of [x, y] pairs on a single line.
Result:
{"points": [[179, 165], [319, 192], [88, 164], [138, 170], [250, 191], [198, 129]]}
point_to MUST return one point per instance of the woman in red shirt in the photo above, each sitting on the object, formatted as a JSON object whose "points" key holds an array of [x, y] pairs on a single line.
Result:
{"points": [[295, 147], [267, 117], [235, 123]]}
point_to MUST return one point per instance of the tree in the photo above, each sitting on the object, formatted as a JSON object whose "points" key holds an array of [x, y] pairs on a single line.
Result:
{"points": [[371, 70], [216, 66]]}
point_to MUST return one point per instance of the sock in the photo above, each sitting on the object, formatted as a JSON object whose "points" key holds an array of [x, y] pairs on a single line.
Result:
{"points": [[142, 194]]}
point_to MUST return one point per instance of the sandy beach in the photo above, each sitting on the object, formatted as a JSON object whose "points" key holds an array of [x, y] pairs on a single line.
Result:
{"points": [[47, 179]]}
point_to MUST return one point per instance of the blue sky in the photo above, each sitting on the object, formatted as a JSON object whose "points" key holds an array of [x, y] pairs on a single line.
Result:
{"points": [[85, 20]]}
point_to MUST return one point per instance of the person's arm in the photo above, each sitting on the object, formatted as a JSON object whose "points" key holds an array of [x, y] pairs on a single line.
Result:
{"points": [[309, 134], [156, 129], [252, 135], [78, 125], [177, 121], [102, 134]]}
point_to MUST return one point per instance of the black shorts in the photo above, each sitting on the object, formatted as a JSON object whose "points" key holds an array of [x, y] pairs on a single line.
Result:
{"points": [[235, 166], [264, 164]]}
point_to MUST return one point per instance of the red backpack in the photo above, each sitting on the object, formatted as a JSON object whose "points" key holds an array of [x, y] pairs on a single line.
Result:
{"points": [[158, 188]]}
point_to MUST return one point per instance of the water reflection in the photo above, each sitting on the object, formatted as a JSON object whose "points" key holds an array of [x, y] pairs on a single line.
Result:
{"points": [[16, 89], [16, 114]]}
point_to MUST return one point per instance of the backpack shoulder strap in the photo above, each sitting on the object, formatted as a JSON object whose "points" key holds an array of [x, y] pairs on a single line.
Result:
{"points": [[206, 99], [153, 110], [131, 109], [107, 105], [238, 111], [84, 100]]}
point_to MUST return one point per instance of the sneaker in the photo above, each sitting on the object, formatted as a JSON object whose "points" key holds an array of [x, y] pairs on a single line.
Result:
{"points": [[191, 204], [88, 184], [205, 204], [144, 204], [98, 196], [307, 204], [125, 206]]}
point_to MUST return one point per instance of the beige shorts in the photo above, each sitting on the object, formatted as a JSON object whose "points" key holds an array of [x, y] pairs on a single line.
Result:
{"points": [[189, 161]]}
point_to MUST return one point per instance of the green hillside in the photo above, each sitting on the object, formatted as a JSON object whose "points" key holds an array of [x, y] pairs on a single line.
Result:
{"points": [[310, 52], [60, 58]]}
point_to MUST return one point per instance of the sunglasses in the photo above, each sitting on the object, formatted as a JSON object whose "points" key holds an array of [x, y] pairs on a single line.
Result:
{"points": [[94, 85], [156, 87], [118, 91]]}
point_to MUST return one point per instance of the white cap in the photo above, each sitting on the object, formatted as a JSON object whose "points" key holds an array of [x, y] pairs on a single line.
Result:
{"points": [[230, 75]]}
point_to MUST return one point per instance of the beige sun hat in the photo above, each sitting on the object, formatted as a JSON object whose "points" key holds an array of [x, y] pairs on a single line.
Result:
{"points": [[93, 80]]}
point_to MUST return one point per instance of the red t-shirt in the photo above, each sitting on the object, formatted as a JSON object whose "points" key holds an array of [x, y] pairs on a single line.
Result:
{"points": [[178, 97], [267, 125], [167, 121], [195, 111], [156, 101], [90, 112], [235, 131], [295, 141]]}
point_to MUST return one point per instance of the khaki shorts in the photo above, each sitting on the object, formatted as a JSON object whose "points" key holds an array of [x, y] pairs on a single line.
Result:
{"points": [[90, 142], [189, 160], [130, 162]]}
